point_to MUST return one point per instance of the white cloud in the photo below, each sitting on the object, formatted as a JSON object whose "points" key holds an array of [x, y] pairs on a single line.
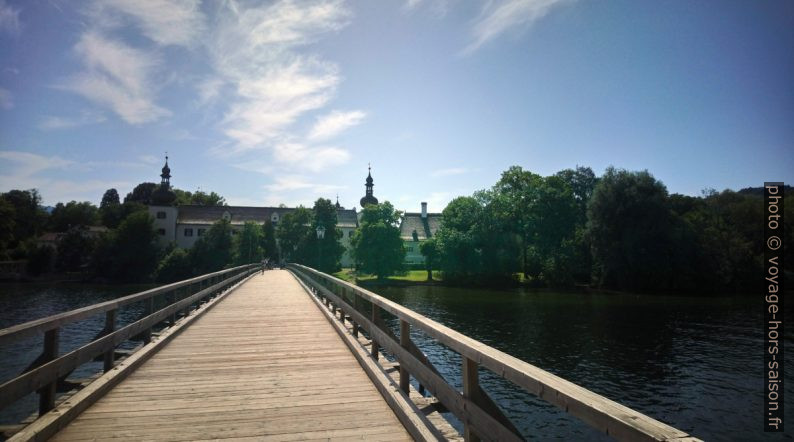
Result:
{"points": [[286, 183], [254, 52], [149, 159], [448, 172], [500, 17], [166, 22], [27, 164], [25, 170], [117, 76], [209, 89], [9, 19], [6, 99], [335, 123], [268, 103], [52, 122], [314, 159]]}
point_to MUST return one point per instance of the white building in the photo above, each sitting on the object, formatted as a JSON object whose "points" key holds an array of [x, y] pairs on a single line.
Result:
{"points": [[416, 228], [183, 225]]}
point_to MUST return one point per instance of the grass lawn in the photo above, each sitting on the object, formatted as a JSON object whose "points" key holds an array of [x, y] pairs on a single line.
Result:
{"points": [[410, 275]]}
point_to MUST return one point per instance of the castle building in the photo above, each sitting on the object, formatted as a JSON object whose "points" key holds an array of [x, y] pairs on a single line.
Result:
{"points": [[185, 224]]}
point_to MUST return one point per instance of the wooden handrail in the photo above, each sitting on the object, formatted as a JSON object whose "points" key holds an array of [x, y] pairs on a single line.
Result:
{"points": [[470, 405], [44, 375], [58, 320]]}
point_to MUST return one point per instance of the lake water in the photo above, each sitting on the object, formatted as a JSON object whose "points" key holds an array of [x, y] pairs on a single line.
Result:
{"points": [[694, 363], [25, 302]]}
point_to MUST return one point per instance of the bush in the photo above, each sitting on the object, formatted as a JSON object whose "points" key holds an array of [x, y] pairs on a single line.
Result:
{"points": [[176, 266], [40, 260]]}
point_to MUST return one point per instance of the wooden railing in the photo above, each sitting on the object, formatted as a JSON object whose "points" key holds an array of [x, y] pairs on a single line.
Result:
{"points": [[481, 416], [50, 368]]}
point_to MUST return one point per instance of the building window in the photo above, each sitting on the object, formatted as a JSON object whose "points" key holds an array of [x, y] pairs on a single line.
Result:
{"points": [[201, 232], [160, 215], [274, 218], [188, 232], [161, 232]]}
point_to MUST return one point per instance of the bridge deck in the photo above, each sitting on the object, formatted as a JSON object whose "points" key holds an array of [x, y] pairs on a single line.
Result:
{"points": [[262, 364]]}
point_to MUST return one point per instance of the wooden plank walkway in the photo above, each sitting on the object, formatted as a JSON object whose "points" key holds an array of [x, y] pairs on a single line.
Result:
{"points": [[263, 364]]}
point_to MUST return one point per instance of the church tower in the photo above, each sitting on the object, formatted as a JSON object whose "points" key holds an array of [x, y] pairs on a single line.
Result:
{"points": [[163, 195], [368, 197], [166, 175]]}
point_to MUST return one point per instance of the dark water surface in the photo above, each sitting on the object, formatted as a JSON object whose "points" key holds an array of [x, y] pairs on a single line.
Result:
{"points": [[693, 363], [25, 302]]}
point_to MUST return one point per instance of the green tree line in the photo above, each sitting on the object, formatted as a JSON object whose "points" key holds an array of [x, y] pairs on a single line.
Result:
{"points": [[622, 231], [128, 249]]}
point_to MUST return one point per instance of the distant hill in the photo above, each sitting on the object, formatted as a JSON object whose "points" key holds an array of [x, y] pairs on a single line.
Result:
{"points": [[759, 191]]}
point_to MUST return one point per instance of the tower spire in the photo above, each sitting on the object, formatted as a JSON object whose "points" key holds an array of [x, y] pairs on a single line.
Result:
{"points": [[369, 198]]}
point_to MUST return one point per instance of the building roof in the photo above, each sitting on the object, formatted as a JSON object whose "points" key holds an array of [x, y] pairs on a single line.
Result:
{"points": [[425, 228], [190, 214]]}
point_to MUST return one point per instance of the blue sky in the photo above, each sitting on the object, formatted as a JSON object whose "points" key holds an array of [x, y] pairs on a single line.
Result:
{"points": [[287, 101]]}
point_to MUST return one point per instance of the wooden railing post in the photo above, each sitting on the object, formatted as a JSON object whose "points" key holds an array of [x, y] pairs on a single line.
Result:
{"points": [[471, 385], [405, 340], [375, 318], [174, 298], [110, 327], [338, 290], [148, 310], [356, 307], [47, 392]]}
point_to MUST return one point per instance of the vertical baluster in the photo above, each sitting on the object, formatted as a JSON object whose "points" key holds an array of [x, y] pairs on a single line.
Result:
{"points": [[174, 298], [110, 327], [375, 316], [356, 307], [471, 386], [47, 392], [405, 340], [338, 291], [148, 310]]}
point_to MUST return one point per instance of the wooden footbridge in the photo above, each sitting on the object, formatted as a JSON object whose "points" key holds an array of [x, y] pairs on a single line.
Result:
{"points": [[281, 355]]}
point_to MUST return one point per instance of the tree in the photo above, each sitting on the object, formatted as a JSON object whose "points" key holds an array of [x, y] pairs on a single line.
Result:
{"points": [[377, 246], [73, 214], [40, 260], [327, 251], [198, 198], [110, 198], [213, 251], [511, 201], [28, 216], [130, 253], [429, 250], [458, 241], [629, 224], [176, 266], [74, 250], [293, 234], [7, 227], [248, 244], [269, 245], [581, 181], [142, 193]]}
